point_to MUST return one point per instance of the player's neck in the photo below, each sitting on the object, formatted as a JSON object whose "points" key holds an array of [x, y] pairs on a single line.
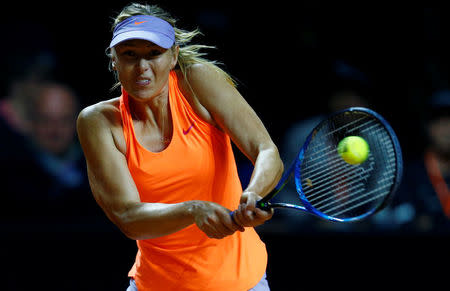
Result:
{"points": [[150, 111]]}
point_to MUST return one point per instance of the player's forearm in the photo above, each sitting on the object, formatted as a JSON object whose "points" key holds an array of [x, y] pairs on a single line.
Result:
{"points": [[152, 220], [267, 171]]}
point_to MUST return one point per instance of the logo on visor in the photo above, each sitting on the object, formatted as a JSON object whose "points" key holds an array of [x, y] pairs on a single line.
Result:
{"points": [[140, 22]]}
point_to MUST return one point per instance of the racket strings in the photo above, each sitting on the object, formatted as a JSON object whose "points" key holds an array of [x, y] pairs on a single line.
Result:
{"points": [[382, 189], [323, 177], [345, 126], [365, 198], [370, 197], [339, 189], [339, 183]]}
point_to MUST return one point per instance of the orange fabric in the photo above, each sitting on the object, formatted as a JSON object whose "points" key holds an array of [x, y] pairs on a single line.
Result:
{"points": [[198, 164]]}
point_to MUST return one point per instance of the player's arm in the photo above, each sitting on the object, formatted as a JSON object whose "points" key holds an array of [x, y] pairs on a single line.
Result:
{"points": [[115, 191], [233, 114]]}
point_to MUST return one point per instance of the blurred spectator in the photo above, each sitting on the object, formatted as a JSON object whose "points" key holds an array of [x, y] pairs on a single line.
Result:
{"points": [[422, 204], [49, 182], [52, 117], [24, 74]]}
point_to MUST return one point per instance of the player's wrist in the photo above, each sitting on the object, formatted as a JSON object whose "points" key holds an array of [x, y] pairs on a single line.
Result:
{"points": [[192, 208], [251, 193]]}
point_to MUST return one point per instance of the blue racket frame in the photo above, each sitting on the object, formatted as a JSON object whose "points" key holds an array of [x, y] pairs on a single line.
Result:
{"points": [[295, 169]]}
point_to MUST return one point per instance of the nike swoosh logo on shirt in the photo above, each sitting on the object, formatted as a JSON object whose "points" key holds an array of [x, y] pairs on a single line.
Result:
{"points": [[140, 22], [187, 130]]}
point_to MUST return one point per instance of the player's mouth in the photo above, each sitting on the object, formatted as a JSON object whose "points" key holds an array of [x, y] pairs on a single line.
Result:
{"points": [[142, 81]]}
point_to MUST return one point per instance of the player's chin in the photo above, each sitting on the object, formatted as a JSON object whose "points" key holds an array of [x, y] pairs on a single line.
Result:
{"points": [[141, 93]]}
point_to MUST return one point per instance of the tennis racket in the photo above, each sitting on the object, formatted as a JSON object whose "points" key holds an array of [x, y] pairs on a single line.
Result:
{"points": [[333, 189]]}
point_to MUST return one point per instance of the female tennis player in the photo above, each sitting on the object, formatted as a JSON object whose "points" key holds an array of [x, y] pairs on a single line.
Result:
{"points": [[161, 166]]}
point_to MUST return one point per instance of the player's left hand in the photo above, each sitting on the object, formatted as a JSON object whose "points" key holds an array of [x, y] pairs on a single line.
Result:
{"points": [[247, 214]]}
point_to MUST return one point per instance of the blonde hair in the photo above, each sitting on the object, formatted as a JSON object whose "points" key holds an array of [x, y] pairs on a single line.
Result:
{"points": [[189, 54]]}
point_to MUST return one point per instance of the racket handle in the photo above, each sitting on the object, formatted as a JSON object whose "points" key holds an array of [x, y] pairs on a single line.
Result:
{"points": [[264, 202], [264, 205]]}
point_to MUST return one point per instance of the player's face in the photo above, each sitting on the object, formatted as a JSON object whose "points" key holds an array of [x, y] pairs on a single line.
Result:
{"points": [[143, 67]]}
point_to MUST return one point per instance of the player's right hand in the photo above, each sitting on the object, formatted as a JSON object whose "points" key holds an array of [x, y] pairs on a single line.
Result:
{"points": [[214, 220]]}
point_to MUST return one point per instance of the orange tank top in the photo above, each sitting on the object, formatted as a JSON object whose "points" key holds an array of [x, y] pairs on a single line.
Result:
{"points": [[198, 164]]}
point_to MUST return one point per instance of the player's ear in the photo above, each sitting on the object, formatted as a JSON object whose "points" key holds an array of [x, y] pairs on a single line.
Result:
{"points": [[175, 50], [112, 58], [113, 62]]}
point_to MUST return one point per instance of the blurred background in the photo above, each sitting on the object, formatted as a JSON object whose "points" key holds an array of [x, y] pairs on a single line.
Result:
{"points": [[294, 62]]}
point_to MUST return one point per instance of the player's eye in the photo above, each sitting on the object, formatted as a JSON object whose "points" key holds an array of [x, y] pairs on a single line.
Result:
{"points": [[129, 53], [154, 53]]}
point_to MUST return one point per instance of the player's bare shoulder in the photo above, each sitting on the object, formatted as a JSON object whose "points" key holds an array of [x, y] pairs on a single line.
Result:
{"points": [[101, 113], [100, 119]]}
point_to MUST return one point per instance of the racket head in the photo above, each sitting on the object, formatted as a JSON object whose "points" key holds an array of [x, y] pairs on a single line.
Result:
{"points": [[335, 190]]}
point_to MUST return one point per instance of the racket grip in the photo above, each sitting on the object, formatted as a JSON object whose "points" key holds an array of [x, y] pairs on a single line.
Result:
{"points": [[264, 202]]}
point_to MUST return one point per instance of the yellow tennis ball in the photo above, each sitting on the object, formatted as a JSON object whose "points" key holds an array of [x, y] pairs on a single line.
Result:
{"points": [[353, 149]]}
